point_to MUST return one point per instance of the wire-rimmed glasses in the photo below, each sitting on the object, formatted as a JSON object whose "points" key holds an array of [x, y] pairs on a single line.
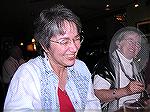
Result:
{"points": [[131, 42], [67, 41]]}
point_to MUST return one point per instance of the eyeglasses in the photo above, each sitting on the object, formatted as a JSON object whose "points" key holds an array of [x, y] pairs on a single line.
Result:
{"points": [[66, 41], [131, 42]]}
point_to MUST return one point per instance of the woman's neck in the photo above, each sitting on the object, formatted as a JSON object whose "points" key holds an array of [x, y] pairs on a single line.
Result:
{"points": [[61, 72], [57, 68]]}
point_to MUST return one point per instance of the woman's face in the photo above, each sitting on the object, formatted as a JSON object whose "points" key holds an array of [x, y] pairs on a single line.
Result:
{"points": [[61, 52], [130, 45]]}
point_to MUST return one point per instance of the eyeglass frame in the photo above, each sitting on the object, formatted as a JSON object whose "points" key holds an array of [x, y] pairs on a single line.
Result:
{"points": [[70, 40], [131, 42]]}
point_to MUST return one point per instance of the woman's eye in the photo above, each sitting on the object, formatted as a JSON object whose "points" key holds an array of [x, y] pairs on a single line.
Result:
{"points": [[78, 38], [65, 41]]}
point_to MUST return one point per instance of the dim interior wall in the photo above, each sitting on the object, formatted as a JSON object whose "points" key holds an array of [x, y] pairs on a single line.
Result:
{"points": [[138, 14]]}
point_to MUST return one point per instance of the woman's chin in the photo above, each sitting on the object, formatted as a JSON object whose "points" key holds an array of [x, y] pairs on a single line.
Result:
{"points": [[71, 63]]}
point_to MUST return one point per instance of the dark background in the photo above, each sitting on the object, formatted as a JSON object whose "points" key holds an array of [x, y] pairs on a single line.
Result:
{"points": [[99, 24]]}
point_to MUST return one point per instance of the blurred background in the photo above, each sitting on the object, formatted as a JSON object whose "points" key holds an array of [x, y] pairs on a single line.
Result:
{"points": [[100, 19]]}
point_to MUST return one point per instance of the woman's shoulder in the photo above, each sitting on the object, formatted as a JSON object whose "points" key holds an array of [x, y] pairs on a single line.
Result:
{"points": [[78, 61], [81, 67], [32, 65], [28, 69], [80, 64], [34, 62]]}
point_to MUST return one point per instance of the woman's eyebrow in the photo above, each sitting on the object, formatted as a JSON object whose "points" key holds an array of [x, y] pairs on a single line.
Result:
{"points": [[77, 35], [68, 37]]}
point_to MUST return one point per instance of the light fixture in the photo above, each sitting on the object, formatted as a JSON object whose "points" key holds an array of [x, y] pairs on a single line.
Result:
{"points": [[136, 3], [107, 7], [120, 17], [33, 40], [21, 43]]}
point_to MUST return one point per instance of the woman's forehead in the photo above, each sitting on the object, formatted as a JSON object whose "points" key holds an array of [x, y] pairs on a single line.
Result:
{"points": [[133, 36], [68, 29], [69, 26]]}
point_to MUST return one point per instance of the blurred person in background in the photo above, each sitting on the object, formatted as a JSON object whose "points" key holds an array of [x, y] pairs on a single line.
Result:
{"points": [[2, 97], [11, 64], [147, 76], [118, 78], [56, 80]]}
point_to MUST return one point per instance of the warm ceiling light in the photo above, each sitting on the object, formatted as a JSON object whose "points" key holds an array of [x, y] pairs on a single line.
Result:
{"points": [[136, 5], [107, 7], [120, 17], [33, 40], [21, 43]]}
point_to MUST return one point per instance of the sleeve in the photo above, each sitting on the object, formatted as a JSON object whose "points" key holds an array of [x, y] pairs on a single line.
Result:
{"points": [[93, 103], [9, 69], [21, 61], [100, 83], [22, 93]]}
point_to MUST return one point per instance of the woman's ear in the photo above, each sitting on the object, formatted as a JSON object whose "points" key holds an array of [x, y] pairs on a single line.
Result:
{"points": [[117, 43]]}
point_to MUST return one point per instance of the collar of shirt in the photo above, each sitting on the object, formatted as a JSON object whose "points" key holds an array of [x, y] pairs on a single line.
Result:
{"points": [[121, 56]]}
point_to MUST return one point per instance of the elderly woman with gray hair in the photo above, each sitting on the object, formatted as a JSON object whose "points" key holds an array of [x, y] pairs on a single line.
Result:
{"points": [[120, 79]]}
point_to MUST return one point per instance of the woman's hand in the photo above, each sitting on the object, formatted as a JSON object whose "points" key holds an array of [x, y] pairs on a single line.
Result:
{"points": [[147, 102], [134, 87]]}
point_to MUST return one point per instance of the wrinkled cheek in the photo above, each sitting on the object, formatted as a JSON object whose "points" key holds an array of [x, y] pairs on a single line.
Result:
{"points": [[78, 47], [137, 51], [139, 48]]}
